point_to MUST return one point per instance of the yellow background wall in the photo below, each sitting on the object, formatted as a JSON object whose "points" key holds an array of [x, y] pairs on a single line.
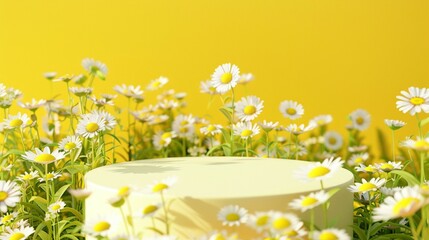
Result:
{"points": [[333, 56]]}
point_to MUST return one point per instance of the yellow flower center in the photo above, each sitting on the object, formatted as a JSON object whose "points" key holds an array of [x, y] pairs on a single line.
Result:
{"points": [[405, 203], [367, 187], [16, 122], [69, 146], [183, 130], [159, 187], [308, 201], [328, 236], [332, 140], [369, 169], [92, 127], [292, 233], [218, 236], [249, 110], [124, 191], [211, 128], [7, 218], [360, 120], [246, 133], [421, 144], [291, 111], [17, 236], [318, 171], [387, 166], [358, 160], [156, 84], [27, 177], [56, 207], [281, 223], [44, 158], [101, 226], [262, 221], [150, 209], [232, 217], [226, 78], [166, 135], [417, 100], [49, 176]]}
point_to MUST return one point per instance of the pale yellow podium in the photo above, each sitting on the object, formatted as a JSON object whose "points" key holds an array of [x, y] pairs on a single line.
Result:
{"points": [[206, 184]]}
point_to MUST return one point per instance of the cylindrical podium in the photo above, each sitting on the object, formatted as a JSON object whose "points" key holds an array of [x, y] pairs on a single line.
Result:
{"points": [[206, 184]]}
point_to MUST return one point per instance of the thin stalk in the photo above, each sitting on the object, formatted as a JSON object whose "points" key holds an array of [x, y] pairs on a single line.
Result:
{"points": [[267, 144], [124, 218], [325, 208], [232, 122], [47, 186], [129, 130], [164, 206], [422, 167], [393, 145]]}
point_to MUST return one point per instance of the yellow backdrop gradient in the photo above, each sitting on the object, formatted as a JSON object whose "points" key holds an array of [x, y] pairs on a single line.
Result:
{"points": [[333, 56]]}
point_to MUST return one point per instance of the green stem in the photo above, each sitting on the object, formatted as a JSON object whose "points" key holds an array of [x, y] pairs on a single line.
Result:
{"points": [[247, 147], [232, 122], [164, 206], [124, 218], [393, 145], [419, 126], [267, 144], [296, 147], [413, 228], [47, 186], [325, 208], [422, 167], [129, 130]]}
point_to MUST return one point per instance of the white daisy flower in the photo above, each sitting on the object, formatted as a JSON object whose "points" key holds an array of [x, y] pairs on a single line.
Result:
{"points": [[79, 79], [163, 139], [20, 233], [404, 203], [70, 143], [373, 185], [358, 158], [161, 186], [196, 151], [91, 125], [56, 207], [33, 105], [8, 218], [245, 78], [333, 140], [65, 78], [9, 195], [225, 77], [129, 91], [16, 121], [389, 166], [310, 201], [246, 129], [168, 104], [420, 144], [291, 109], [157, 83], [101, 225], [331, 233], [50, 75], [298, 233], [6, 168], [158, 119], [282, 223], [27, 176], [394, 124], [259, 221], [45, 156], [354, 149], [49, 177], [414, 101], [390, 191], [100, 102], [207, 87], [299, 129], [109, 119], [366, 169], [319, 170], [80, 194], [95, 67], [268, 126], [2, 90], [232, 215], [150, 210], [211, 129], [81, 91], [183, 125], [360, 119], [248, 108], [322, 120]]}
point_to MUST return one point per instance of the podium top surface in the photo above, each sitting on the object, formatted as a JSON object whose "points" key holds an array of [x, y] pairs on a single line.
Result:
{"points": [[214, 177]]}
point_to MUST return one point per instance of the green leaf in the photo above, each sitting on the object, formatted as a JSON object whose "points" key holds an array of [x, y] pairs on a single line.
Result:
{"points": [[41, 202], [76, 213], [227, 112], [411, 179], [60, 192], [424, 121], [360, 232]]}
